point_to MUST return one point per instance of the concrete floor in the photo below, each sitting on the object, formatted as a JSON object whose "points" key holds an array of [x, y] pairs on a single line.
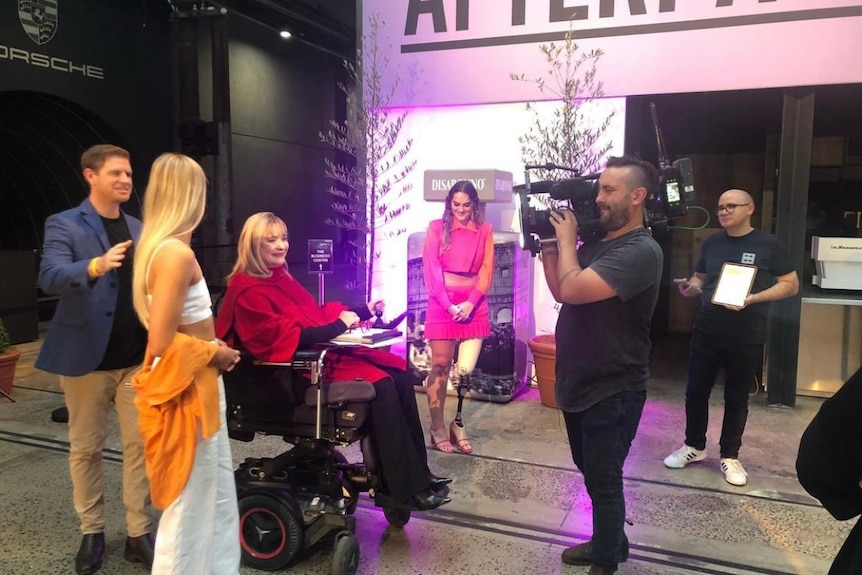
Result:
{"points": [[516, 503]]}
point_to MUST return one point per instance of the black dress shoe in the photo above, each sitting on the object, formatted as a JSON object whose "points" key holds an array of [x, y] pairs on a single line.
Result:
{"points": [[442, 491], [427, 500], [89, 558], [141, 549], [582, 554], [60, 415], [437, 482]]}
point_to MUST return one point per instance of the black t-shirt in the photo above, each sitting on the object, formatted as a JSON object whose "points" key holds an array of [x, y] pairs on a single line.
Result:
{"points": [[603, 347], [747, 326], [128, 339]]}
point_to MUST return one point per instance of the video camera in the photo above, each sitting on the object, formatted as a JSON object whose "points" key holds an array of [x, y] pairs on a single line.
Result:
{"points": [[578, 194]]}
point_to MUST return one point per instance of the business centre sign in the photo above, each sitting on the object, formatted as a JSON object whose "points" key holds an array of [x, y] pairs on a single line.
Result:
{"points": [[466, 50], [40, 20]]}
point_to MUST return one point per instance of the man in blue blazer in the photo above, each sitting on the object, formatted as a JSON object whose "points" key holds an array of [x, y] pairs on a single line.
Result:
{"points": [[95, 343]]}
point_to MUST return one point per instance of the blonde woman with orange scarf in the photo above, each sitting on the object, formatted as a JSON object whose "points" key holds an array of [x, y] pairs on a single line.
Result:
{"points": [[180, 395]]}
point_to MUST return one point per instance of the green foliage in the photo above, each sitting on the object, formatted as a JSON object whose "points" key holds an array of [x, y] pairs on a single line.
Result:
{"points": [[569, 138], [5, 344], [369, 189]]}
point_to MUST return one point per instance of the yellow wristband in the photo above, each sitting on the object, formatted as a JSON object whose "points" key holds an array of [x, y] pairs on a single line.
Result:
{"points": [[93, 268]]}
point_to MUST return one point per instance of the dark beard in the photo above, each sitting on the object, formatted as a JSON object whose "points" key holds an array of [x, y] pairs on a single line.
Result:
{"points": [[613, 221]]}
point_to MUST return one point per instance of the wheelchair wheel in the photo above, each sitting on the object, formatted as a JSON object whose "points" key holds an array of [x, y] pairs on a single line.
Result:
{"points": [[396, 517], [270, 534], [345, 559]]}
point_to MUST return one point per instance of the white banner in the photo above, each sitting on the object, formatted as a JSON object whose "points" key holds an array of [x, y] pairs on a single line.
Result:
{"points": [[463, 51], [464, 137]]}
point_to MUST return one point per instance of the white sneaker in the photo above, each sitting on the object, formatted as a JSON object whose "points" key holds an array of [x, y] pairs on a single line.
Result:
{"points": [[734, 472], [683, 456]]}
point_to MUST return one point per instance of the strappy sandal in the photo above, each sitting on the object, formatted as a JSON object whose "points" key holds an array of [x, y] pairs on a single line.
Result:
{"points": [[443, 445], [458, 437]]}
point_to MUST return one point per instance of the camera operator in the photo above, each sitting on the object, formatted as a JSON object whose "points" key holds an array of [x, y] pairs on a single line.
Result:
{"points": [[608, 289]]}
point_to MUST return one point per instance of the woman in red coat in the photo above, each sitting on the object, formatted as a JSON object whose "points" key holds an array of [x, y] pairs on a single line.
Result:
{"points": [[267, 313]]}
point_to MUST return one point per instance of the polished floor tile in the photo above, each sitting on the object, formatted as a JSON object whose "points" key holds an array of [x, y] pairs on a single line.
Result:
{"points": [[516, 504]]}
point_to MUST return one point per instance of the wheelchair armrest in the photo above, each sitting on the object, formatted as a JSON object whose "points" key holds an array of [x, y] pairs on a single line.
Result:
{"points": [[273, 363], [308, 354], [356, 391], [302, 359]]}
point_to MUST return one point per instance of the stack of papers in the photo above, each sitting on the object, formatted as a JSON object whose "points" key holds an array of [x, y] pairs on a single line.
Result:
{"points": [[369, 336]]}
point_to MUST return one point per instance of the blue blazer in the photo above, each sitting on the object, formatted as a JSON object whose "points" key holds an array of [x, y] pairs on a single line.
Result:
{"points": [[78, 335]]}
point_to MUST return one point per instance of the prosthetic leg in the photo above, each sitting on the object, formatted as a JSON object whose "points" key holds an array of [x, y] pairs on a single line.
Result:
{"points": [[462, 387], [468, 354]]}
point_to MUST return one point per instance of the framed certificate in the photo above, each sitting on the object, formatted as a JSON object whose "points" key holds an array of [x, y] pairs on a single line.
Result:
{"points": [[734, 284]]}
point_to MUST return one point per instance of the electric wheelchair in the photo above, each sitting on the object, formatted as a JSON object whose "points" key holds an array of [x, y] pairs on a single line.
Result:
{"points": [[291, 502]]}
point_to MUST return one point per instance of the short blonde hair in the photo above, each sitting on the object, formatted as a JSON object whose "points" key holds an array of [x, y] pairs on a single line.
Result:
{"points": [[174, 204], [254, 231]]}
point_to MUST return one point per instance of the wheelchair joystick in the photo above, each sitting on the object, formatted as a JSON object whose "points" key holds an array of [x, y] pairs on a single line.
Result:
{"points": [[379, 323]]}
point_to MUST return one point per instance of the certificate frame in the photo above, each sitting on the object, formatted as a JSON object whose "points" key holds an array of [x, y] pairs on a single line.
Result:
{"points": [[734, 284]]}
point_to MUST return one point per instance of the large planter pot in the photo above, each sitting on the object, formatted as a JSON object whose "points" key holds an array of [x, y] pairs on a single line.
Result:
{"points": [[544, 348], [8, 360]]}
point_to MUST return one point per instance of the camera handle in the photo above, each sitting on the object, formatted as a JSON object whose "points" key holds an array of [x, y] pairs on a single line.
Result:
{"points": [[548, 167], [662, 152]]}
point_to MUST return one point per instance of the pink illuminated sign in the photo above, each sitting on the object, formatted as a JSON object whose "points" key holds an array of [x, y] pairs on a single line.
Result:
{"points": [[465, 50]]}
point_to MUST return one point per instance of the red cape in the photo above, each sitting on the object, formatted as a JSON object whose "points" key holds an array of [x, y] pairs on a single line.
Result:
{"points": [[265, 316]]}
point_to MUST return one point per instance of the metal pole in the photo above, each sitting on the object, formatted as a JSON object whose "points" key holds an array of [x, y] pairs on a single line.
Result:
{"points": [[321, 299], [222, 180], [797, 127]]}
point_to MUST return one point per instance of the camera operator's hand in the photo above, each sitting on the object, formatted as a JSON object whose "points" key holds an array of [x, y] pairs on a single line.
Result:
{"points": [[566, 227]]}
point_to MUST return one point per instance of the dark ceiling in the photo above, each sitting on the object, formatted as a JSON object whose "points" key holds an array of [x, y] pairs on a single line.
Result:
{"points": [[328, 25]]}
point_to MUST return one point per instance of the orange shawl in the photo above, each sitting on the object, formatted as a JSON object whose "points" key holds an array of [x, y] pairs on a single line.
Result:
{"points": [[172, 398]]}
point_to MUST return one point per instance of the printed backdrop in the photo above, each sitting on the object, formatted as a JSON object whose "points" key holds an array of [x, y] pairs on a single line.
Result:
{"points": [[465, 50]]}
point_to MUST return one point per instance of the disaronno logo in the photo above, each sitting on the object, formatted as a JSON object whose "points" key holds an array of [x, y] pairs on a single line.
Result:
{"points": [[491, 185], [442, 184], [39, 19]]}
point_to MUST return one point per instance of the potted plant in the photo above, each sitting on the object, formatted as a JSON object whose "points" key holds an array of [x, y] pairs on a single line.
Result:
{"points": [[570, 136], [8, 359]]}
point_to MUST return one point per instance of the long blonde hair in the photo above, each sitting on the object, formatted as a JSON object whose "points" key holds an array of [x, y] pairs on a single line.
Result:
{"points": [[249, 259], [174, 204]]}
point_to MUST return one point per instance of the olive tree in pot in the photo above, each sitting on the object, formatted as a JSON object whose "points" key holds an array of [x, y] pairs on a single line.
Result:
{"points": [[573, 135], [372, 159], [8, 360]]}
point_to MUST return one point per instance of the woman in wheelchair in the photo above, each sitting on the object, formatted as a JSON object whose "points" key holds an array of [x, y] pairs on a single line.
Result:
{"points": [[267, 313]]}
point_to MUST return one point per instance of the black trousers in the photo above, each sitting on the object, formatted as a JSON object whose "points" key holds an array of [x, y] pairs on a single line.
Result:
{"points": [[397, 438], [600, 438], [743, 365]]}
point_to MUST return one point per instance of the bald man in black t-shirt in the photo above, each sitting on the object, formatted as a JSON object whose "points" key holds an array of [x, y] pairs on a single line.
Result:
{"points": [[727, 336]]}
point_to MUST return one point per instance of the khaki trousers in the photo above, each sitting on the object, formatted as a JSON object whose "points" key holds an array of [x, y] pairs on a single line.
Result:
{"points": [[88, 398]]}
